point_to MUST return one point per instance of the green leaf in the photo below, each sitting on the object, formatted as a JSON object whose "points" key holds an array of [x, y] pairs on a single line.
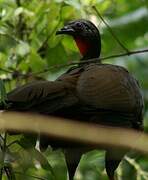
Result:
{"points": [[23, 49], [28, 141], [56, 55], [35, 62]]}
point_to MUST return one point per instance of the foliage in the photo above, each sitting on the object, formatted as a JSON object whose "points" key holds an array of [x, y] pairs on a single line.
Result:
{"points": [[28, 46]]}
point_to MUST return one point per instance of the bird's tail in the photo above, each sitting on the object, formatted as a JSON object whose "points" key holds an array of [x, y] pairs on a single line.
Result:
{"points": [[112, 159]]}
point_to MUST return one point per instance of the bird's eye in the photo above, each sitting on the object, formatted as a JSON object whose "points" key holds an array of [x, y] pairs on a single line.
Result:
{"points": [[79, 25]]}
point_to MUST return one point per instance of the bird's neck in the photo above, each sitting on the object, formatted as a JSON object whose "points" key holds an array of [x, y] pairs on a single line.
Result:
{"points": [[88, 49]]}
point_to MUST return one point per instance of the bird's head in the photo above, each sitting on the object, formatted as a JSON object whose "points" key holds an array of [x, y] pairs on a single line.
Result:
{"points": [[86, 36]]}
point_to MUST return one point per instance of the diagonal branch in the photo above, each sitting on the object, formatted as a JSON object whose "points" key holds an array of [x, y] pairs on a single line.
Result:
{"points": [[110, 30], [87, 134], [93, 60]]}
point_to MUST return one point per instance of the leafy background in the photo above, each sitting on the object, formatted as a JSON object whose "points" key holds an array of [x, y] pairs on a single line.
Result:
{"points": [[29, 50]]}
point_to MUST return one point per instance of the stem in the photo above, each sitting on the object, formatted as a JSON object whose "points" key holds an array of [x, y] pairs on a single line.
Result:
{"points": [[9, 172], [14, 142], [1, 137], [3, 155]]}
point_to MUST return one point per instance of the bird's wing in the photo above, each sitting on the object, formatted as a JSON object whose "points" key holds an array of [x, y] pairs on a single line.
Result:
{"points": [[111, 88], [42, 96]]}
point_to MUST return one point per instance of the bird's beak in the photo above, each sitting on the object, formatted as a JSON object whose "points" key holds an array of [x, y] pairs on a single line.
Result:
{"points": [[66, 30]]}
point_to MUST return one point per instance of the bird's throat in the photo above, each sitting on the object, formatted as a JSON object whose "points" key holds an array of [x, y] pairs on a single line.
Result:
{"points": [[82, 45]]}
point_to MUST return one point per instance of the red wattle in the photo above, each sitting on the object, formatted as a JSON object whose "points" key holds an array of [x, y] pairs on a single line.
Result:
{"points": [[82, 45]]}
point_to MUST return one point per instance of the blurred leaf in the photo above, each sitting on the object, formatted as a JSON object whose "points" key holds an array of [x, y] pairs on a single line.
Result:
{"points": [[7, 42], [56, 55], [28, 141], [22, 49], [35, 62]]}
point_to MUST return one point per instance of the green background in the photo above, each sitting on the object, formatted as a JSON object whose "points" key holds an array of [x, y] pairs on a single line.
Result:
{"points": [[29, 50]]}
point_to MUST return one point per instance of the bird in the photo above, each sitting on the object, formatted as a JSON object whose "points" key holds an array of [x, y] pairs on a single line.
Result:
{"points": [[92, 92]]}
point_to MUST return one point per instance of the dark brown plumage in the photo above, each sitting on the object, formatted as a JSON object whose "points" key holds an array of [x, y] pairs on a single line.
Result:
{"points": [[93, 92]]}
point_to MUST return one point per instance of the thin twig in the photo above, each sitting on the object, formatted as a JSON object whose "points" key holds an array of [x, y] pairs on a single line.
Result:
{"points": [[9, 173], [1, 147], [3, 155], [1, 137], [6, 70], [110, 30], [1, 141], [93, 60], [14, 142], [5, 144]]}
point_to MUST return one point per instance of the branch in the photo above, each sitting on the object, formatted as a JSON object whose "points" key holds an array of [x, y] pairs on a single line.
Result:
{"points": [[110, 30], [87, 134], [5, 70], [93, 60]]}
